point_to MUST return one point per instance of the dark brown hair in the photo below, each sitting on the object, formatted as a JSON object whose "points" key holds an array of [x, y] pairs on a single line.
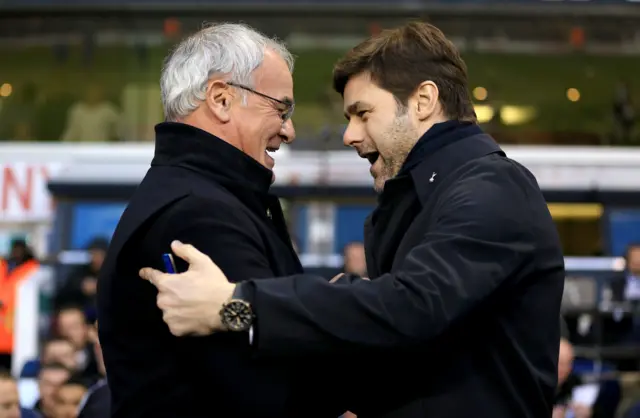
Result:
{"points": [[398, 60]]}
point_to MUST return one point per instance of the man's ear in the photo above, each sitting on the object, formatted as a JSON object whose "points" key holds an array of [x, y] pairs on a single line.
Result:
{"points": [[218, 99], [426, 99]]}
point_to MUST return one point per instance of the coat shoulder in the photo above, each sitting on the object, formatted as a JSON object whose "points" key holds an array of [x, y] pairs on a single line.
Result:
{"points": [[502, 175], [221, 206]]}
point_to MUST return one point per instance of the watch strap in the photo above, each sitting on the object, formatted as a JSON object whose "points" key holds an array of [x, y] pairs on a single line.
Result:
{"points": [[238, 292]]}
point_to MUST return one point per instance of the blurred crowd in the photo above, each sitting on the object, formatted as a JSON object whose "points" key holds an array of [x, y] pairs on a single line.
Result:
{"points": [[31, 116], [70, 366]]}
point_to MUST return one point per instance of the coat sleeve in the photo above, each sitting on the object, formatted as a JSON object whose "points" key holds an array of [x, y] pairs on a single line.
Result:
{"points": [[225, 360], [479, 239]]}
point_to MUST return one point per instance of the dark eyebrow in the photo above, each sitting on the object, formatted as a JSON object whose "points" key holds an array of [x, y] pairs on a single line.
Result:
{"points": [[288, 100], [354, 108]]}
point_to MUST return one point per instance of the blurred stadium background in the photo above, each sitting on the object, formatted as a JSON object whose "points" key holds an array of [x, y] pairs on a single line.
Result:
{"points": [[557, 82]]}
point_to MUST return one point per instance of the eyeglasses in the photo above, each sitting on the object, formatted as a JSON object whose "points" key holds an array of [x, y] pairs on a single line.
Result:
{"points": [[285, 113]]}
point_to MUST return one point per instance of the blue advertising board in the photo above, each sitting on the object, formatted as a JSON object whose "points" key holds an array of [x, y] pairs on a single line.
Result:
{"points": [[93, 220], [624, 229]]}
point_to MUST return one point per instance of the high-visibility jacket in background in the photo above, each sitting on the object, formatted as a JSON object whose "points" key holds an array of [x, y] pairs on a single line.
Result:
{"points": [[9, 281]]}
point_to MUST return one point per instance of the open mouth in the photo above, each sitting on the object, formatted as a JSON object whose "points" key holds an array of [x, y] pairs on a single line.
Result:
{"points": [[371, 156], [272, 149]]}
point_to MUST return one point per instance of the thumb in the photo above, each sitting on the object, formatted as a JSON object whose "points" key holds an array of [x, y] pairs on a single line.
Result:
{"points": [[153, 276], [336, 278], [188, 253]]}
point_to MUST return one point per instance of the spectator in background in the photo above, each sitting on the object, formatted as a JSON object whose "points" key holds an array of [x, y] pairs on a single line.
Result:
{"points": [[627, 287], [565, 404], [19, 110], [623, 327], [54, 350], [51, 114], [80, 289], [624, 114], [59, 350], [354, 259], [19, 254], [72, 324], [69, 396], [10, 399], [565, 365], [22, 132], [50, 378], [92, 120], [18, 266], [97, 402]]}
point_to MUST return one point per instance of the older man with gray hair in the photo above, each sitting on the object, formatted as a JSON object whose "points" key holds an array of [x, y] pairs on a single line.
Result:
{"points": [[227, 93]]}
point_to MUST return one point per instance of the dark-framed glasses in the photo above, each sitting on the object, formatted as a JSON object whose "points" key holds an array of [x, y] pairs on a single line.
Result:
{"points": [[288, 105]]}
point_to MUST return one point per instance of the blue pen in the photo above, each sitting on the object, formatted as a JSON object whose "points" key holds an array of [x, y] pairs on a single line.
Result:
{"points": [[169, 264]]}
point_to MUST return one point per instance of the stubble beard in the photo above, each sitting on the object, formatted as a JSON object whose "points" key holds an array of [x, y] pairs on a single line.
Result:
{"points": [[402, 136]]}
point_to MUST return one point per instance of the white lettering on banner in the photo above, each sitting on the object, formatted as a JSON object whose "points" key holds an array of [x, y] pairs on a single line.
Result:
{"points": [[24, 196]]}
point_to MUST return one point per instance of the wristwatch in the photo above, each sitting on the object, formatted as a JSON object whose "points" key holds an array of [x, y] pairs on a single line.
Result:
{"points": [[236, 314]]}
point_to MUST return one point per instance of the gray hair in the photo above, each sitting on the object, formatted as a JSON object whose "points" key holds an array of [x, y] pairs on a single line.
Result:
{"points": [[230, 49]]}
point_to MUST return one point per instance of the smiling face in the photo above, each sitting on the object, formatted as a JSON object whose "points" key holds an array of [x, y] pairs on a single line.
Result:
{"points": [[379, 129], [9, 398], [396, 85], [68, 398], [60, 351], [259, 124], [255, 119]]}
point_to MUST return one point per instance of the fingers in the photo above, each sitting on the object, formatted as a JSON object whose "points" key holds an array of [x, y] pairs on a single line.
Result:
{"points": [[154, 276], [336, 278], [174, 328], [188, 252], [162, 301]]}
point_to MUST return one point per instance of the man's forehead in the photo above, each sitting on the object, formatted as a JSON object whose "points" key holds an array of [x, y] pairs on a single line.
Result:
{"points": [[7, 385], [274, 78], [57, 344], [71, 315], [55, 374], [360, 92]]}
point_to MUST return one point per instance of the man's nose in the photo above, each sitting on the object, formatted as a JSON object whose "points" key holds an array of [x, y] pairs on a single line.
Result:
{"points": [[288, 132], [353, 135]]}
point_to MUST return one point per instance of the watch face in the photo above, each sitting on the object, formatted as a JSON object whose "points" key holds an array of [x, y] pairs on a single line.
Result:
{"points": [[237, 315]]}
